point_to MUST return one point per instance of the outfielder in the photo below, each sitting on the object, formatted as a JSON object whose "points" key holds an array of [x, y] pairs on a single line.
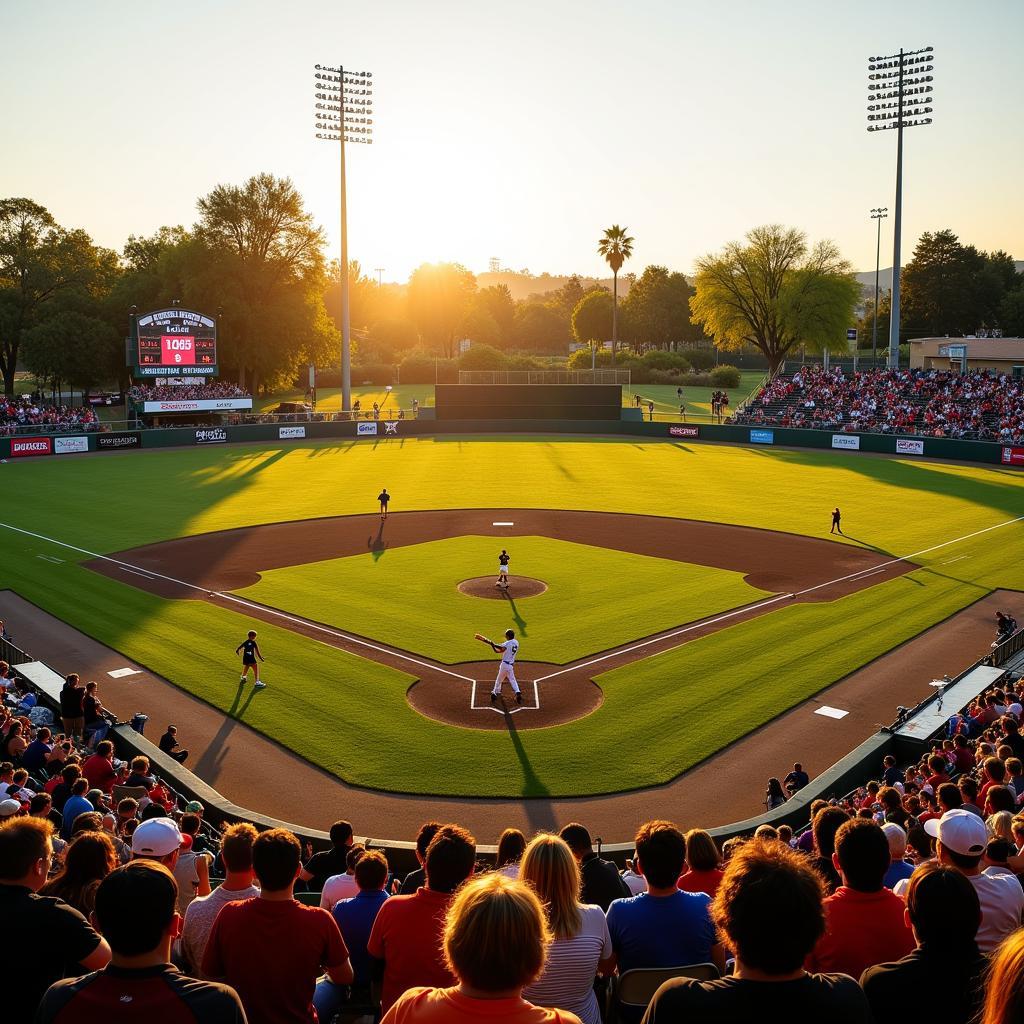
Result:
{"points": [[503, 560], [506, 670]]}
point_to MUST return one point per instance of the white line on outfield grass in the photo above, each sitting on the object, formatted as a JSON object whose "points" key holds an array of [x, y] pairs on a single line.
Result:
{"points": [[128, 567], [781, 597]]}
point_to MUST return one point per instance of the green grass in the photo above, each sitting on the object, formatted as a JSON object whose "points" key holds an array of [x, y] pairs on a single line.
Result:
{"points": [[666, 713], [597, 598], [329, 399], [698, 400]]}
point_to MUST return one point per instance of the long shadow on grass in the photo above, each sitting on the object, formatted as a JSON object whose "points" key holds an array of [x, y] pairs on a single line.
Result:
{"points": [[516, 617], [541, 815], [376, 545]]}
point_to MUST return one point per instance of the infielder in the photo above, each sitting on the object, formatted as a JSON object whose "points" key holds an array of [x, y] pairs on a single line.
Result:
{"points": [[506, 670], [503, 560], [250, 650], [384, 498]]}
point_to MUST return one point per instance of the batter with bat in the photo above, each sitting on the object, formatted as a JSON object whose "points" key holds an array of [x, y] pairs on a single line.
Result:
{"points": [[506, 670]]}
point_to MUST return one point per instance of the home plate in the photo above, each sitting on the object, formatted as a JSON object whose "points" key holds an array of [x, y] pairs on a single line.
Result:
{"points": [[830, 712], [120, 673], [503, 524]]}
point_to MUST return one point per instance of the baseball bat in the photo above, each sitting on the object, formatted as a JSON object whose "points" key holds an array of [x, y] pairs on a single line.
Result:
{"points": [[481, 638]]}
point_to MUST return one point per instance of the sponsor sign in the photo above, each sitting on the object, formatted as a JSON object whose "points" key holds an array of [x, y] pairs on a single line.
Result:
{"points": [[285, 433], [1011, 456], [391, 426], [851, 333], [762, 437], [25, 446], [366, 428], [67, 445], [211, 435], [908, 446], [118, 440], [683, 431], [199, 405], [851, 442]]}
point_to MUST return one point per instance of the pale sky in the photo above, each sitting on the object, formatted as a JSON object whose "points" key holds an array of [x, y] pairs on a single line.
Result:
{"points": [[518, 130]]}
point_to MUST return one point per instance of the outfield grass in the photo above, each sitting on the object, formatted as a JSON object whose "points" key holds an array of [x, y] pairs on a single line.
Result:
{"points": [[698, 400], [597, 598], [351, 717]]}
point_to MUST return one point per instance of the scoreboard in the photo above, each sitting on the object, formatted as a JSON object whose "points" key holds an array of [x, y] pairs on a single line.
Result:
{"points": [[173, 342]]}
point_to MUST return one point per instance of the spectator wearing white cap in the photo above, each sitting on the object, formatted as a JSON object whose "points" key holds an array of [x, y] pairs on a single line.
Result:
{"points": [[157, 839], [898, 868], [962, 839], [9, 808]]}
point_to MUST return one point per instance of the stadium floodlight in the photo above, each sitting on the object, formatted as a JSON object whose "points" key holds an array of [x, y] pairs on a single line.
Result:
{"points": [[899, 96], [343, 114], [879, 213]]}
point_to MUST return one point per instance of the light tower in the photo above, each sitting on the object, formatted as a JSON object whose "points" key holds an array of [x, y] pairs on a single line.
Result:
{"points": [[344, 113], [899, 96], [877, 214]]}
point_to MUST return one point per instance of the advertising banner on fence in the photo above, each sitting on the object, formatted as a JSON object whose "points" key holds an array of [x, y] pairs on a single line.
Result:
{"points": [[762, 437], [24, 446], [211, 435], [67, 445], [908, 446], [366, 428], [199, 405], [683, 431], [285, 433], [848, 441], [118, 440], [391, 426], [1011, 456]]}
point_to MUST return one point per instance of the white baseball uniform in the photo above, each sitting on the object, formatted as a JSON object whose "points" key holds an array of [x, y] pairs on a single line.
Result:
{"points": [[506, 670]]}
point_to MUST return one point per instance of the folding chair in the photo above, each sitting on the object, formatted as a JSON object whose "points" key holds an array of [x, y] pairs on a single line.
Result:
{"points": [[636, 988]]}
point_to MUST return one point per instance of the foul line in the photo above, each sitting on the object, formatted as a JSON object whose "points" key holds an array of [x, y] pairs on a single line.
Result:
{"points": [[781, 597], [128, 567]]}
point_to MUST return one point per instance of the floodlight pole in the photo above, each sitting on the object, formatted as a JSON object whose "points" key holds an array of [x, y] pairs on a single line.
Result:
{"points": [[897, 220], [346, 328], [876, 214]]}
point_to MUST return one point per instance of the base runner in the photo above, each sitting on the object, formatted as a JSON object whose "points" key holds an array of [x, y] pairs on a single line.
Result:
{"points": [[250, 652], [506, 670], [503, 560]]}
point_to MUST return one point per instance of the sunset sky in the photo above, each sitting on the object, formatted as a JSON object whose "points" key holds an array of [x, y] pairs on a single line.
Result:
{"points": [[518, 131]]}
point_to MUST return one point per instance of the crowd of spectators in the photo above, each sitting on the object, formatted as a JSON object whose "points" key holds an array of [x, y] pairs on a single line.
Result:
{"points": [[186, 392], [979, 405], [24, 413]]}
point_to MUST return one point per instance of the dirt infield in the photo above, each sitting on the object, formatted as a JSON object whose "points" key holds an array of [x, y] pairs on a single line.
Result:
{"points": [[485, 586], [792, 567]]}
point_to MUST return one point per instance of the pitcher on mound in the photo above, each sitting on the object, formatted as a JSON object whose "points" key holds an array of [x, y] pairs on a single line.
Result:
{"points": [[506, 670]]}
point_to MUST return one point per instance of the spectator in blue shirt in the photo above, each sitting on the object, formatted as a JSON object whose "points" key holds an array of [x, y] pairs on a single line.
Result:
{"points": [[663, 927], [36, 753], [75, 805], [899, 868]]}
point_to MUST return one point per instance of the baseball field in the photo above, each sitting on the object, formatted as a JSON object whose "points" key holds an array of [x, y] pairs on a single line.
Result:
{"points": [[690, 593]]}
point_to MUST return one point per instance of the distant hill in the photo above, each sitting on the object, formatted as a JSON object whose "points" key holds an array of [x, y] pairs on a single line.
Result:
{"points": [[523, 284], [867, 278]]}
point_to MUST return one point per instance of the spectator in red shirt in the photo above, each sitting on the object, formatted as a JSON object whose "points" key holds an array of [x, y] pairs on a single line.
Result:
{"points": [[272, 949], [703, 872], [135, 912], [99, 769], [963, 756], [864, 921], [995, 775], [406, 934], [937, 764]]}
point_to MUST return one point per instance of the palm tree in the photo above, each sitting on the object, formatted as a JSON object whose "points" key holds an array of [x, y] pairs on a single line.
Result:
{"points": [[616, 247]]}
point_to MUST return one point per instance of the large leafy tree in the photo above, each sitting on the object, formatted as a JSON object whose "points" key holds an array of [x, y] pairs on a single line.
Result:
{"points": [[541, 328], [616, 247], [774, 292], [439, 296], [657, 309], [592, 318], [43, 267], [495, 302]]}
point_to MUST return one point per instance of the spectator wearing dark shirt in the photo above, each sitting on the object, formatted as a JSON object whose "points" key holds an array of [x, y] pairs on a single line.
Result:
{"points": [[36, 753], [827, 823], [602, 882], [135, 910], [322, 866], [49, 939], [890, 773], [796, 779], [415, 879], [941, 980], [768, 910], [170, 746]]}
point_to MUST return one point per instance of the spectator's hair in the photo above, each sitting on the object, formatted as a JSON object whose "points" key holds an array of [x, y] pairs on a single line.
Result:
{"points": [[128, 806], [71, 772], [371, 871], [23, 841], [817, 804], [135, 905], [919, 841], [730, 846], [236, 846], [889, 761], [785, 833], [769, 906], [995, 769], [341, 833], [701, 852], [662, 852], [827, 823], [140, 764], [511, 845], [949, 796], [38, 802], [153, 810], [578, 837], [937, 763], [998, 850], [960, 740], [889, 797], [89, 858], [80, 786], [1004, 982], [968, 787], [87, 821], [354, 855], [190, 823], [90, 686], [863, 853], [548, 865], [1009, 724], [766, 832], [105, 748], [496, 936], [276, 856], [451, 857], [72, 677], [1000, 798], [427, 831]]}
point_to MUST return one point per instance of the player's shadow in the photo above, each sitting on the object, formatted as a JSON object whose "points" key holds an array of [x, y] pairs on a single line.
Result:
{"points": [[532, 784], [238, 706], [867, 544], [516, 617], [376, 545]]}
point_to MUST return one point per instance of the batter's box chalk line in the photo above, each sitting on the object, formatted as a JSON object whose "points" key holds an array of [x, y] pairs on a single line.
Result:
{"points": [[473, 706]]}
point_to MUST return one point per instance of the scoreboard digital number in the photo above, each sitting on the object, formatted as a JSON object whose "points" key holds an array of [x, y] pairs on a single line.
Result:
{"points": [[175, 341]]}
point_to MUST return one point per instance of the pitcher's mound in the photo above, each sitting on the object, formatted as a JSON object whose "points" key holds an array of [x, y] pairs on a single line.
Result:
{"points": [[484, 586]]}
